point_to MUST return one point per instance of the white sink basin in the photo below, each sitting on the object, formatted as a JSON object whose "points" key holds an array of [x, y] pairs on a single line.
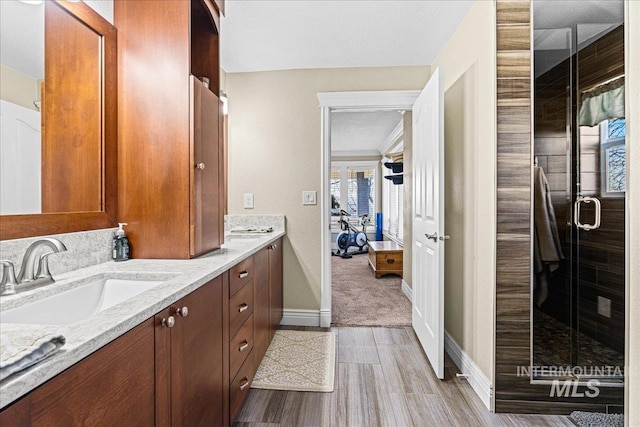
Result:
{"points": [[79, 303]]}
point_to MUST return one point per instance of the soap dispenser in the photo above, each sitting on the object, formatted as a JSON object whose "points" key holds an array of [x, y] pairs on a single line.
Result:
{"points": [[121, 246]]}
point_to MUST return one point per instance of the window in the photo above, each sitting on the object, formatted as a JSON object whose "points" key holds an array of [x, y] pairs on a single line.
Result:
{"points": [[613, 158], [353, 188], [392, 210]]}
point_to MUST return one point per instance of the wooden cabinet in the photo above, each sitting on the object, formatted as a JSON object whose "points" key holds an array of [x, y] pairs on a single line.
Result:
{"points": [[170, 154], [267, 291], [189, 359], [113, 386], [275, 285], [240, 333], [262, 306]]}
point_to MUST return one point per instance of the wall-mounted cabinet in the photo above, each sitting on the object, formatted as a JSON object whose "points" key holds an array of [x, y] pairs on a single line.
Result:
{"points": [[170, 155]]}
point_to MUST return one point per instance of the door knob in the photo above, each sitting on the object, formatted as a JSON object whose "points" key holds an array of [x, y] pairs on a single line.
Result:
{"points": [[433, 236], [200, 166], [183, 312]]}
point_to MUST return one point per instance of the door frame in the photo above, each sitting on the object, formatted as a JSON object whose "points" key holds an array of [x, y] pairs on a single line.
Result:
{"points": [[344, 101]]}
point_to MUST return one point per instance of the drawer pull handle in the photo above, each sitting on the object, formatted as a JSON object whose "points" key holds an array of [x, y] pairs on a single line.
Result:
{"points": [[183, 312], [245, 383], [243, 307], [244, 345], [169, 322], [243, 274], [391, 261]]}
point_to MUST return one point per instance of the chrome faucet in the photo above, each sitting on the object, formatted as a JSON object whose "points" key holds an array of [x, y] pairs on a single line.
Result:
{"points": [[34, 270]]}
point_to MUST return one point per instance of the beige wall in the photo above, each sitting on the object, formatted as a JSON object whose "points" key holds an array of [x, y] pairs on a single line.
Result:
{"points": [[407, 198], [633, 210], [274, 153], [468, 63], [18, 88]]}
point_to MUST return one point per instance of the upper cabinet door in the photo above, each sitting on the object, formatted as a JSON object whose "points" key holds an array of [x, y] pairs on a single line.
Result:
{"points": [[205, 168]]}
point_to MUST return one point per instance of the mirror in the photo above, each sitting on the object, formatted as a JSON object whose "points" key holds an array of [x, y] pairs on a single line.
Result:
{"points": [[58, 112]]}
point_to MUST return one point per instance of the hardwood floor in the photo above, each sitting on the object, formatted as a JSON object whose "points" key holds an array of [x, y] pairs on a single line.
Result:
{"points": [[383, 379]]}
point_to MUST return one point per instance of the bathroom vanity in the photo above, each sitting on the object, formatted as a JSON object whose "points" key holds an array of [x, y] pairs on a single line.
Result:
{"points": [[182, 353]]}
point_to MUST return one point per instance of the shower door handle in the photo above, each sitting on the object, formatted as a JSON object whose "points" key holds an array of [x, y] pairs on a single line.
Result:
{"points": [[576, 213]]}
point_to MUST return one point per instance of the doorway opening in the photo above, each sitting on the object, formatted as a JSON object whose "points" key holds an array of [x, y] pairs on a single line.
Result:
{"points": [[354, 186]]}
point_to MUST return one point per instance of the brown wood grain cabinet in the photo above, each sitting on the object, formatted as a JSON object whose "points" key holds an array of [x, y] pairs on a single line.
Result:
{"points": [[262, 304], [275, 285], [113, 386], [189, 359], [170, 154]]}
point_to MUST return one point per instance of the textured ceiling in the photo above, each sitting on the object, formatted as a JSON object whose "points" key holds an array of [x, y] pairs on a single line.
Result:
{"points": [[362, 131], [293, 34]]}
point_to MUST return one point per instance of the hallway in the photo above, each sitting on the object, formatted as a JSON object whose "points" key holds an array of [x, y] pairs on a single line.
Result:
{"points": [[383, 379]]}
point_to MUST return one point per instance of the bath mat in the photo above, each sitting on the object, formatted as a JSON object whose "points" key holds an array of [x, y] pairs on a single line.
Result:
{"points": [[298, 361], [595, 419]]}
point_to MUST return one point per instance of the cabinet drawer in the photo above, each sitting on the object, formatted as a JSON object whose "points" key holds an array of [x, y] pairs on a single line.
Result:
{"points": [[240, 346], [389, 261], [240, 308], [239, 275], [240, 386]]}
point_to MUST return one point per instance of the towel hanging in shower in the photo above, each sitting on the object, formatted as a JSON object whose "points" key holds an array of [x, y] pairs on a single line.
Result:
{"points": [[547, 249]]}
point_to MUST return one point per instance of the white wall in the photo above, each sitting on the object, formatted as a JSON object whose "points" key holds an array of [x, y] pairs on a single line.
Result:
{"points": [[275, 153], [632, 45], [468, 63]]}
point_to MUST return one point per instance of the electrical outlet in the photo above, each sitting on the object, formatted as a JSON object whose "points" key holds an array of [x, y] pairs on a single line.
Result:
{"points": [[308, 197], [604, 306], [248, 201]]}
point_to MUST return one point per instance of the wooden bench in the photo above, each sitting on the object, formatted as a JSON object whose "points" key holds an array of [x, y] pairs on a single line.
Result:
{"points": [[385, 258]]}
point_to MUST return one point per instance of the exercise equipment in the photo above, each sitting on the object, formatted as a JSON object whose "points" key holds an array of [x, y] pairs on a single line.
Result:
{"points": [[350, 236]]}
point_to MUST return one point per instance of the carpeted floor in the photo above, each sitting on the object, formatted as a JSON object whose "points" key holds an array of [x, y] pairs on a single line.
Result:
{"points": [[359, 299]]}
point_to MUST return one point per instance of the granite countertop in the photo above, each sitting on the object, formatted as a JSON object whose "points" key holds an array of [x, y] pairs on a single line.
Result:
{"points": [[87, 336]]}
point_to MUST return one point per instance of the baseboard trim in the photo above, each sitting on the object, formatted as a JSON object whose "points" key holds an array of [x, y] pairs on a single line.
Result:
{"points": [[303, 317], [407, 291], [478, 381]]}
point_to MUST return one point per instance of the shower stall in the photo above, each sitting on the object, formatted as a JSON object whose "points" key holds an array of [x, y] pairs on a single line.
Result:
{"points": [[578, 280]]}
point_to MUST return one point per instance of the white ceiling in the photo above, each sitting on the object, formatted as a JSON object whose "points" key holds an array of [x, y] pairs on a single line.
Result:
{"points": [[22, 34], [293, 34], [22, 37], [362, 133]]}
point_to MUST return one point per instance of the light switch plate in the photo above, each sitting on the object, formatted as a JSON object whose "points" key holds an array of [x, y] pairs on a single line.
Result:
{"points": [[308, 197], [248, 200]]}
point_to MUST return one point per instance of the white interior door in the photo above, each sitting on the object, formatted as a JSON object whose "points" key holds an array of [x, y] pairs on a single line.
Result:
{"points": [[428, 221]]}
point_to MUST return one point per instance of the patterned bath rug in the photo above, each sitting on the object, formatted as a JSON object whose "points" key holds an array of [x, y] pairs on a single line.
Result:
{"points": [[298, 361], [594, 419]]}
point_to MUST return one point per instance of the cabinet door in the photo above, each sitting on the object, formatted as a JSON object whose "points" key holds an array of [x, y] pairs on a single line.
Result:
{"points": [[205, 169], [261, 304], [113, 387], [196, 358], [275, 285]]}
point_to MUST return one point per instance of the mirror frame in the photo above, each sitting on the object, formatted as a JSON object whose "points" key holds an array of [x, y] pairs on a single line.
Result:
{"points": [[19, 226]]}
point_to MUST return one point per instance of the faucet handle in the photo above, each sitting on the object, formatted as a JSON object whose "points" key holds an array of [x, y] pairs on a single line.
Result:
{"points": [[8, 283], [43, 266]]}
